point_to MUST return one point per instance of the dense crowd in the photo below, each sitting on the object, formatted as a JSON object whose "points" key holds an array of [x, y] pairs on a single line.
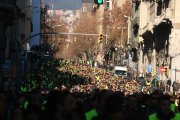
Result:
{"points": [[101, 78], [97, 105], [83, 76], [98, 78], [92, 94]]}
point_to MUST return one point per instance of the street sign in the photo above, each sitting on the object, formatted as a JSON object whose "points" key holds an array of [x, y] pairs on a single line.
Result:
{"points": [[149, 68], [162, 69]]}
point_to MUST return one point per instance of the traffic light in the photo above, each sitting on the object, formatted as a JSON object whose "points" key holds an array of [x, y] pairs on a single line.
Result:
{"points": [[100, 38], [166, 71], [98, 2]]}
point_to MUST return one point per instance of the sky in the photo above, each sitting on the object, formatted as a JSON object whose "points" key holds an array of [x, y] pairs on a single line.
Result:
{"points": [[64, 4]]}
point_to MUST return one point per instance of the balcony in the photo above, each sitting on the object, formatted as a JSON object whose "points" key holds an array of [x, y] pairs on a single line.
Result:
{"points": [[7, 4], [148, 27], [169, 13]]}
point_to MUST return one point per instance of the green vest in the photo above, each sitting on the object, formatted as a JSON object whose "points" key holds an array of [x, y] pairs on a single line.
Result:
{"points": [[154, 117], [148, 83], [173, 107]]}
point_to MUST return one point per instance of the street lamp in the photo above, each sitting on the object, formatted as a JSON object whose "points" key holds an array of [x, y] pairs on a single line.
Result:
{"points": [[129, 27]]}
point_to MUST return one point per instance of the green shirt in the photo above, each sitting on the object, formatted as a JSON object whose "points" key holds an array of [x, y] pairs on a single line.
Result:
{"points": [[173, 107], [154, 117]]}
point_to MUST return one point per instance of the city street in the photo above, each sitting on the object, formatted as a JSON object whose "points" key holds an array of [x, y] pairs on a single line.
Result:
{"points": [[89, 60]]}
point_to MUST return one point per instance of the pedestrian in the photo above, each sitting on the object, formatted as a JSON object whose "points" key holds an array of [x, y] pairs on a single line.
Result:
{"points": [[164, 111], [169, 84], [174, 87]]}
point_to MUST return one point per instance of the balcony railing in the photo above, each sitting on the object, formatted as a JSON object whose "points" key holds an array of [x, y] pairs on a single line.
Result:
{"points": [[7, 3], [148, 27]]}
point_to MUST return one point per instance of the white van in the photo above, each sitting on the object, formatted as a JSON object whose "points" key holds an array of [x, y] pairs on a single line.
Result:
{"points": [[120, 71]]}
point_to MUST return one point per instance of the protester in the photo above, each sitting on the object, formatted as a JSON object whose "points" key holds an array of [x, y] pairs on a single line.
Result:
{"points": [[89, 93]]}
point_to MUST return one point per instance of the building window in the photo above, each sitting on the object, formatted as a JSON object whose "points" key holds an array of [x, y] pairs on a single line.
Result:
{"points": [[135, 29], [159, 7], [162, 4], [137, 3], [166, 3]]}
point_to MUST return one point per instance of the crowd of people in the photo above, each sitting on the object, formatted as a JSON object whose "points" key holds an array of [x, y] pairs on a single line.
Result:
{"points": [[96, 105], [98, 78], [101, 78], [93, 94]]}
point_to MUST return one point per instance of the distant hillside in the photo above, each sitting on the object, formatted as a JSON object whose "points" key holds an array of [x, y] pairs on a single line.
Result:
{"points": [[64, 4]]}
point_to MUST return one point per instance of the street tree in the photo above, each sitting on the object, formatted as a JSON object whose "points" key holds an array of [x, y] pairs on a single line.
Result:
{"points": [[114, 22], [44, 23], [87, 23], [58, 40]]}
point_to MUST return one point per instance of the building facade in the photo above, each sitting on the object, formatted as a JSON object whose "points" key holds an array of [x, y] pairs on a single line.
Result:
{"points": [[87, 6], [14, 28], [155, 32]]}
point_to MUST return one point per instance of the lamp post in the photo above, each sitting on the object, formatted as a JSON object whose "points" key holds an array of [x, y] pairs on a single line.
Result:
{"points": [[129, 28]]}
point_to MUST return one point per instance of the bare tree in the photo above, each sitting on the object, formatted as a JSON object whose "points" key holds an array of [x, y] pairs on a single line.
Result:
{"points": [[58, 40], [114, 22], [53, 23], [87, 23]]}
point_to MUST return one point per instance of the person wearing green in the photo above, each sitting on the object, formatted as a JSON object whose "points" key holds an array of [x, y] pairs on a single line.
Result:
{"points": [[26, 103], [23, 89], [91, 114], [154, 117], [148, 82], [164, 110], [43, 104], [157, 80], [173, 107]]}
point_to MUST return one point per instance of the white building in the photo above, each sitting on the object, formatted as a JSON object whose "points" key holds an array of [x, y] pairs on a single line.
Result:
{"points": [[158, 36]]}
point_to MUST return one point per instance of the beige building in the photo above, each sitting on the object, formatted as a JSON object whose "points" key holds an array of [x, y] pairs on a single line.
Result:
{"points": [[156, 32]]}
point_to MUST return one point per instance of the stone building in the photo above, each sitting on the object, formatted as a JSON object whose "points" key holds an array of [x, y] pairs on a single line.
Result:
{"points": [[155, 32]]}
